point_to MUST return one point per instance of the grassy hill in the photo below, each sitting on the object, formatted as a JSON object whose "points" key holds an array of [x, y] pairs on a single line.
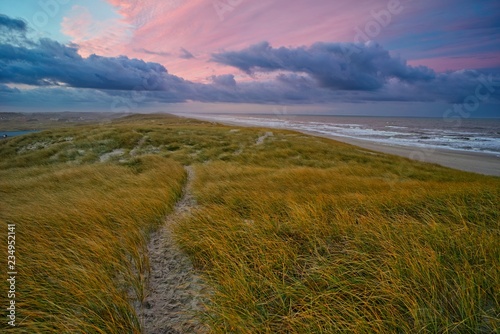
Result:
{"points": [[294, 233]]}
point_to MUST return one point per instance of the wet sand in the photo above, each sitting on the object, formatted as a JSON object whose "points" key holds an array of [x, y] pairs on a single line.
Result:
{"points": [[481, 163]]}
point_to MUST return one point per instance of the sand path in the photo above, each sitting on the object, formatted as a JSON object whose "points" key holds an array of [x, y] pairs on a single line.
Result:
{"points": [[174, 293], [262, 138]]}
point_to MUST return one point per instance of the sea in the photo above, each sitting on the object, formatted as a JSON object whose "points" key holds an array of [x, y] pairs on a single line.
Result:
{"points": [[8, 134], [466, 135]]}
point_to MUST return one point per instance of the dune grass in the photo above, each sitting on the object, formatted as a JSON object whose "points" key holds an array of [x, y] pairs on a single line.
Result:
{"points": [[296, 235], [305, 250], [81, 229]]}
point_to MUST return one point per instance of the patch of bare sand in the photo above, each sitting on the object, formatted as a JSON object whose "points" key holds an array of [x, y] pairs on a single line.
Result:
{"points": [[262, 138], [115, 153], [174, 296]]}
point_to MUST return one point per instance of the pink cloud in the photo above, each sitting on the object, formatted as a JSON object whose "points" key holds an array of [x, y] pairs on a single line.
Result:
{"points": [[443, 64], [159, 31], [203, 27], [109, 37]]}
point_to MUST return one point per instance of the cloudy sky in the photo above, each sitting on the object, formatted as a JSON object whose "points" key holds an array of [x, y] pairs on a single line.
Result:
{"points": [[369, 57]]}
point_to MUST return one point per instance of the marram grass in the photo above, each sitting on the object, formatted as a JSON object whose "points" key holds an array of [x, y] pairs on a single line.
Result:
{"points": [[81, 233], [306, 250], [296, 235]]}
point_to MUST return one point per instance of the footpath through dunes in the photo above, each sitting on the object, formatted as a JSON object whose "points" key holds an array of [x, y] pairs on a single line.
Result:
{"points": [[174, 293], [293, 233]]}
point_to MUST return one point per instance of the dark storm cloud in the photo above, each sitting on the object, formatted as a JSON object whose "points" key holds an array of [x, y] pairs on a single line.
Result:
{"points": [[14, 24], [224, 80], [359, 71], [321, 73], [51, 63], [46, 62], [340, 66]]}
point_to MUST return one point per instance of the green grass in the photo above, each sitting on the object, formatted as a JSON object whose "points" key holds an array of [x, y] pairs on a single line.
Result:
{"points": [[297, 235]]}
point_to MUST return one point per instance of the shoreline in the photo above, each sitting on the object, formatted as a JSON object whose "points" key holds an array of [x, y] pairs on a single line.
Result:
{"points": [[475, 162]]}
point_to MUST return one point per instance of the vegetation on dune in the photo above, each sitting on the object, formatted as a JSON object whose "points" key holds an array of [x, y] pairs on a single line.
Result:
{"points": [[81, 227], [81, 233], [296, 234], [308, 250]]}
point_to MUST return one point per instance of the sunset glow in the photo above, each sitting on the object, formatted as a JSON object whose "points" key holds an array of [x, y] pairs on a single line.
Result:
{"points": [[237, 51]]}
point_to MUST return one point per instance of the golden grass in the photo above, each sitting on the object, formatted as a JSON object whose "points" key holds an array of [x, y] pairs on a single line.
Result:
{"points": [[81, 236], [297, 235], [305, 250]]}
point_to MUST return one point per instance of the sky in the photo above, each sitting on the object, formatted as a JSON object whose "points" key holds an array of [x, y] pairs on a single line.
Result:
{"points": [[438, 58]]}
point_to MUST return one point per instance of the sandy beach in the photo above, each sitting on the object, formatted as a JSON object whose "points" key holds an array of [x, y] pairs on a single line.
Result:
{"points": [[480, 163], [475, 162]]}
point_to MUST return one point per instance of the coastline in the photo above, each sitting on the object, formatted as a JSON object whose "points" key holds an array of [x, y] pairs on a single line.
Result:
{"points": [[475, 162]]}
